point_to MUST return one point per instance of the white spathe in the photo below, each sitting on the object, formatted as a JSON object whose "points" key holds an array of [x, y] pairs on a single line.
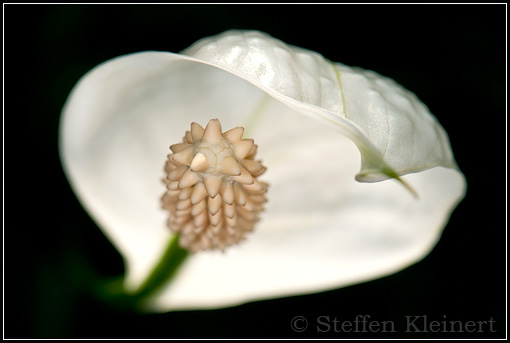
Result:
{"points": [[322, 229]]}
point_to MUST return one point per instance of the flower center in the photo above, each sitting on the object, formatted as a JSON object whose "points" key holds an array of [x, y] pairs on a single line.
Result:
{"points": [[214, 154], [213, 197]]}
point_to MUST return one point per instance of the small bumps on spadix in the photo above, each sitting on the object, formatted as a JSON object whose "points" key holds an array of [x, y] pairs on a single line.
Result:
{"points": [[214, 198]]}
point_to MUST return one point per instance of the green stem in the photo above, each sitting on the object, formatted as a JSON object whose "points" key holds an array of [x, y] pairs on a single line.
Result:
{"points": [[166, 268], [113, 291]]}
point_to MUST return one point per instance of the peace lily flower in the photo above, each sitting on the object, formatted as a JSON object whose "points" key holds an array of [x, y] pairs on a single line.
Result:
{"points": [[362, 177]]}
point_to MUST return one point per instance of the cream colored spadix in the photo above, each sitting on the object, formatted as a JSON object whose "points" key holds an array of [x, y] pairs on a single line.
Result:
{"points": [[321, 229], [213, 184], [188, 179], [197, 131], [212, 133], [234, 134], [198, 194], [199, 163], [210, 230], [184, 156], [230, 166], [243, 148]]}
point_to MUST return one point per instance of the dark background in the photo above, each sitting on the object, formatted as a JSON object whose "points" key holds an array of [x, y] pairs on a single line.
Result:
{"points": [[451, 56]]}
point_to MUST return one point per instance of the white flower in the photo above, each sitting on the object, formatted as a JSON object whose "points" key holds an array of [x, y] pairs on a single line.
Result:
{"points": [[319, 125]]}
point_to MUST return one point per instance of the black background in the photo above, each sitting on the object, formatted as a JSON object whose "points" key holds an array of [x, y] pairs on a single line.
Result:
{"points": [[451, 56]]}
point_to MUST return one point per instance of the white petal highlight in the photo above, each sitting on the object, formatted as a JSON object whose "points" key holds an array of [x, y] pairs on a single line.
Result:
{"points": [[395, 132]]}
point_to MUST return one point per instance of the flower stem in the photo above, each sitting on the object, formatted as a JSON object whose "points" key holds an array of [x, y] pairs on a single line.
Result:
{"points": [[172, 259]]}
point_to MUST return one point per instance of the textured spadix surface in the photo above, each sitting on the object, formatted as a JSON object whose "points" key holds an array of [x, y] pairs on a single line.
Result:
{"points": [[213, 197], [322, 229]]}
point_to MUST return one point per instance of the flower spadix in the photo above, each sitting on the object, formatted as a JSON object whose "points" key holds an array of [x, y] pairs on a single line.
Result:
{"points": [[214, 198], [328, 134]]}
